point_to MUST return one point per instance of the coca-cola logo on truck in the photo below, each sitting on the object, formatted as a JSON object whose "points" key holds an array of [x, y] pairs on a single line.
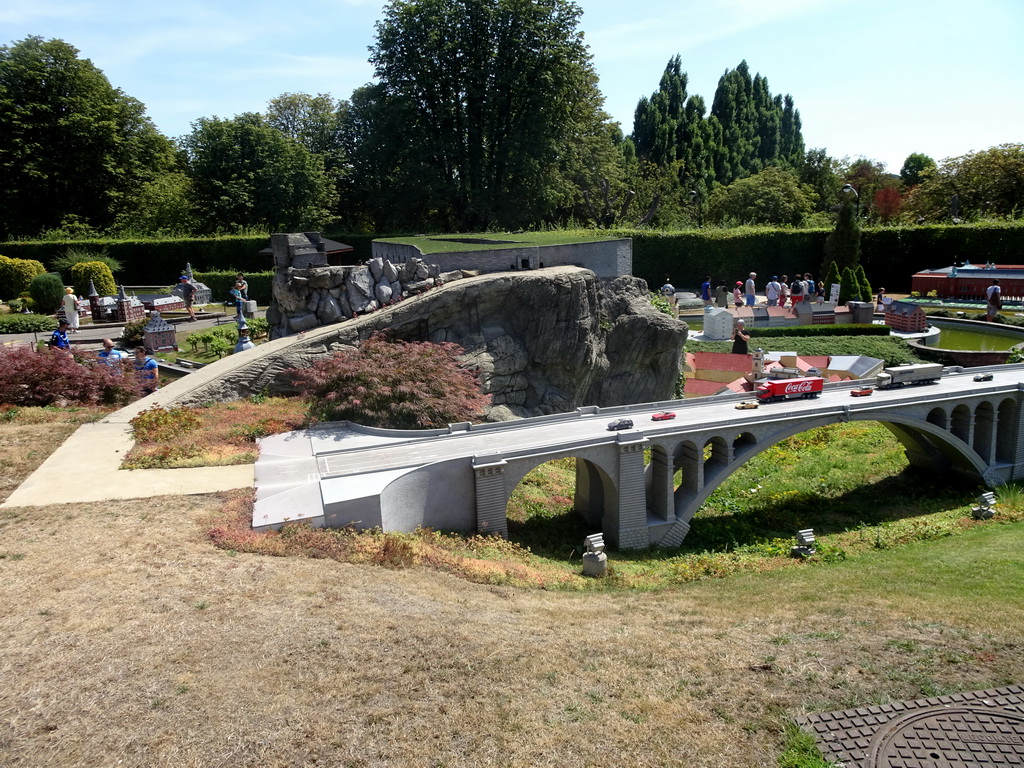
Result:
{"points": [[800, 386]]}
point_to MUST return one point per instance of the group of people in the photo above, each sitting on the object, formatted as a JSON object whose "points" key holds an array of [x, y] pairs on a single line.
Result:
{"points": [[145, 367], [779, 292]]}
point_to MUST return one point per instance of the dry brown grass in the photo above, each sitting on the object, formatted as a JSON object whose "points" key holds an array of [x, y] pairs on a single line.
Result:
{"points": [[127, 638], [220, 434]]}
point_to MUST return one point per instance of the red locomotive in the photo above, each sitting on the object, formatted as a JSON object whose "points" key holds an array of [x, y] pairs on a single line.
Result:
{"points": [[789, 389]]}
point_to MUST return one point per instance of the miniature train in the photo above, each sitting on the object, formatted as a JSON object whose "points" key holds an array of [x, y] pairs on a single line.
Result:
{"points": [[772, 390]]}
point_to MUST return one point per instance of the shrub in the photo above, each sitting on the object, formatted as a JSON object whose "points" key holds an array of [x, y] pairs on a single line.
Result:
{"points": [[53, 377], [77, 255], [18, 323], [131, 335], [160, 425], [46, 291], [84, 272], [822, 330], [401, 385], [17, 274], [258, 327]]}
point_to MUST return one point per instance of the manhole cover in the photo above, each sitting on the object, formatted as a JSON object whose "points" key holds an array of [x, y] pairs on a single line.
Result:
{"points": [[976, 728], [950, 738]]}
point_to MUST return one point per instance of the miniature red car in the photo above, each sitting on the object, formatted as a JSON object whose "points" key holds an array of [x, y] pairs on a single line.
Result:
{"points": [[663, 416], [861, 392]]}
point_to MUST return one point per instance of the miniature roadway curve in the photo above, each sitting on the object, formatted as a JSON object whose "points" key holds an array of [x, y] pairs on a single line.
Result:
{"points": [[305, 469]]}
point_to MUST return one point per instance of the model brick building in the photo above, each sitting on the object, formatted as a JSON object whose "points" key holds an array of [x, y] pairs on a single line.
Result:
{"points": [[905, 317], [969, 283]]}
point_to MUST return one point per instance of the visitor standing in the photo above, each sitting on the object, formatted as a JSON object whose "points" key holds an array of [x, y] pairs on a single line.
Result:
{"points": [[236, 297], [188, 293], [772, 291], [994, 296], [784, 294], [740, 337], [880, 300], [705, 291], [750, 290], [796, 290], [59, 338], [809, 287], [70, 305], [737, 294], [721, 295], [146, 369], [243, 285]]}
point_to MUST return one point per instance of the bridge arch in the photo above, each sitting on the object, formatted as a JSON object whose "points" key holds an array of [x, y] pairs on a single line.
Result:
{"points": [[925, 443]]}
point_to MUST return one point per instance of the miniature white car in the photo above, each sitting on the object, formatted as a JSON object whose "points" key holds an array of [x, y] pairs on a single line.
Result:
{"points": [[747, 404]]}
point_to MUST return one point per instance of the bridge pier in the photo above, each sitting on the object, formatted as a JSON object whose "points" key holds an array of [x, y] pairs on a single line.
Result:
{"points": [[491, 498], [627, 524], [661, 486]]}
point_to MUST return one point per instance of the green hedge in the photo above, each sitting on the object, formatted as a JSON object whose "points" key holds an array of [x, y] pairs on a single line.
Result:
{"points": [[162, 261], [220, 283], [822, 330], [18, 323], [890, 256]]}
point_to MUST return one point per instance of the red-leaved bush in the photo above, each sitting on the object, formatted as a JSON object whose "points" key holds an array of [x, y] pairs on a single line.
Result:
{"points": [[394, 384], [52, 377]]}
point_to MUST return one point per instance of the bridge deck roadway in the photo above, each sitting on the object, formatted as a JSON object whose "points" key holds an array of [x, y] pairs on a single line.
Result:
{"points": [[343, 460]]}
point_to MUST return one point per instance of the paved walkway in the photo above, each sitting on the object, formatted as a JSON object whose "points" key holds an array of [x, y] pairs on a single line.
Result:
{"points": [[85, 467]]}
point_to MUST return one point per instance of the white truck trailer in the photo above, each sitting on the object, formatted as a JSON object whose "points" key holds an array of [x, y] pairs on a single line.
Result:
{"points": [[901, 375]]}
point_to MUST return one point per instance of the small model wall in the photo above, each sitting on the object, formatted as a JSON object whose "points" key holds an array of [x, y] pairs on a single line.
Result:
{"points": [[605, 258]]}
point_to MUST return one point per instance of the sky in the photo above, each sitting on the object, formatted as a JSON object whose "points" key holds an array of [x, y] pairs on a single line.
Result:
{"points": [[878, 79]]}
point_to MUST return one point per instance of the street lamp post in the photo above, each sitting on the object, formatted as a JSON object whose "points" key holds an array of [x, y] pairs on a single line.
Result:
{"points": [[847, 189], [695, 198]]}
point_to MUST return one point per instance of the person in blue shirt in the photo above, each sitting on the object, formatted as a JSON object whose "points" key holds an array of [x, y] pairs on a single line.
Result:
{"points": [[705, 291], [59, 339], [236, 297], [146, 369]]}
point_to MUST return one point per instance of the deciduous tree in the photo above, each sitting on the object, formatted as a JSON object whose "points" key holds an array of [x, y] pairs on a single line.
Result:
{"points": [[477, 104], [772, 196], [245, 173], [71, 145], [914, 167]]}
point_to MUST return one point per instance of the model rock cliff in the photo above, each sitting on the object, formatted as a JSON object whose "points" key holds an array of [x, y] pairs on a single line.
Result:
{"points": [[544, 341]]}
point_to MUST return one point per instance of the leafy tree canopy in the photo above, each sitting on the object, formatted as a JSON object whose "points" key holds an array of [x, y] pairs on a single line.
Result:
{"points": [[773, 196], [244, 173], [985, 183], [913, 171], [71, 145], [479, 106]]}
